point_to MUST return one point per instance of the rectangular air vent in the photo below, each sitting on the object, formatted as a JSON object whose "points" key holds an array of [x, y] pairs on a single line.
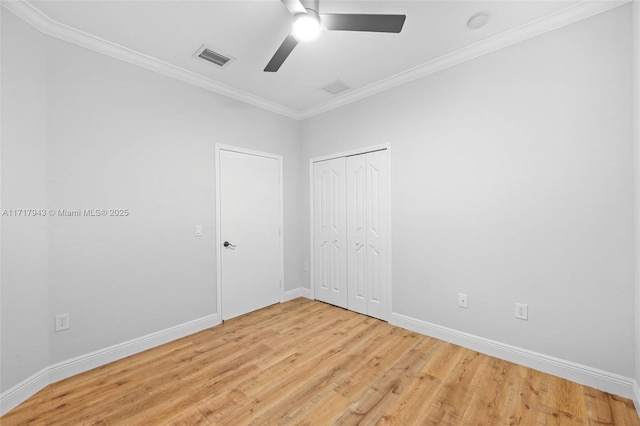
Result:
{"points": [[208, 54], [335, 87]]}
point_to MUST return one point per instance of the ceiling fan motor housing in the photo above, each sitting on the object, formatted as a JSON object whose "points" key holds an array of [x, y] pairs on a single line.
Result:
{"points": [[311, 5]]}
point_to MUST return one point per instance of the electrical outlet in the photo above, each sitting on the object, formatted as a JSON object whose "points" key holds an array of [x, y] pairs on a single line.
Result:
{"points": [[62, 322], [463, 300], [522, 311]]}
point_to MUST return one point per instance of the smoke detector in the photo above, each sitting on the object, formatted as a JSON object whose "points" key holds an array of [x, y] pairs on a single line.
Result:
{"points": [[478, 20]]}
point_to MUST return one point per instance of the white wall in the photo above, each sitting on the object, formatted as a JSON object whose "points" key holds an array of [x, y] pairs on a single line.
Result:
{"points": [[24, 303], [112, 135], [512, 182], [123, 137]]}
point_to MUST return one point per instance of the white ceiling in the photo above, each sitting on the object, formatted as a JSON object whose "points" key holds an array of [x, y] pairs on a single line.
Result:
{"points": [[251, 31]]}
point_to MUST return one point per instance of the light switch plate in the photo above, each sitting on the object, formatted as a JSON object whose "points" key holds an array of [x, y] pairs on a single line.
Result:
{"points": [[198, 231]]}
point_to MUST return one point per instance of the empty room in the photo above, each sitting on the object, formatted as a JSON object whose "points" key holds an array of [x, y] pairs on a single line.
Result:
{"points": [[320, 212]]}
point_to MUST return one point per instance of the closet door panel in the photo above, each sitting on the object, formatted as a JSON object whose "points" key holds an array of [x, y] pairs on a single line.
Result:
{"points": [[330, 232], [377, 276], [356, 234]]}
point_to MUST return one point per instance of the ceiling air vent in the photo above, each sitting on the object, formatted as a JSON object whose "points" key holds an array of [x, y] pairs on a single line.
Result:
{"points": [[208, 54], [336, 87]]}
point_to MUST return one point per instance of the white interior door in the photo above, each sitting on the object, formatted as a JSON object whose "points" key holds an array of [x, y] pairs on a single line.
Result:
{"points": [[329, 232], [250, 220]]}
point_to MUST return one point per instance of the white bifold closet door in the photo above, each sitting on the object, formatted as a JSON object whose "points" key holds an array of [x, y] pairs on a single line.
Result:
{"points": [[351, 203], [330, 232], [367, 234]]}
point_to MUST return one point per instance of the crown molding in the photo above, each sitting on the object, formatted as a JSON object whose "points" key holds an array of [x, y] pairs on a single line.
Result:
{"points": [[50, 27], [573, 13]]}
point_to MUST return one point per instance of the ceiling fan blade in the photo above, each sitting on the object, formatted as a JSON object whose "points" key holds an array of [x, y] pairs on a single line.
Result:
{"points": [[360, 22], [281, 54], [295, 6]]}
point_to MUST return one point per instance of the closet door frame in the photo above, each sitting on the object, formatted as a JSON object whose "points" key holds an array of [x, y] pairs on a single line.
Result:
{"points": [[357, 151]]}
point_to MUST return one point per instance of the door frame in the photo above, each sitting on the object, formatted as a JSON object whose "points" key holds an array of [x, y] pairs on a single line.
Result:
{"points": [[356, 151], [223, 147]]}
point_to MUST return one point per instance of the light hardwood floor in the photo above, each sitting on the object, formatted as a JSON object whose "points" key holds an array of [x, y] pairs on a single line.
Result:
{"points": [[305, 362]]}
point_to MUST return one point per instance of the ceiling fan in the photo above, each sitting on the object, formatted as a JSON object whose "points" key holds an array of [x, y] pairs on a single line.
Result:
{"points": [[307, 24]]}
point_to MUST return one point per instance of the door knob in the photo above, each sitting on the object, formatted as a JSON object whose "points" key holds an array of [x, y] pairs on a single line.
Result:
{"points": [[228, 244]]}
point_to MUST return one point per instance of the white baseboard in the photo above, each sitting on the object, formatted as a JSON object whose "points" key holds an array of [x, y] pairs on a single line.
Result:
{"points": [[25, 389], [599, 379], [636, 396], [297, 292], [86, 362]]}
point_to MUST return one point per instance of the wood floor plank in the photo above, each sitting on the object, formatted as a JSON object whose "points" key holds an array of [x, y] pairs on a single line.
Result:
{"points": [[371, 361], [378, 357], [453, 399], [420, 402], [527, 408], [315, 372], [598, 407], [622, 410], [494, 397], [307, 363], [384, 392], [337, 372]]}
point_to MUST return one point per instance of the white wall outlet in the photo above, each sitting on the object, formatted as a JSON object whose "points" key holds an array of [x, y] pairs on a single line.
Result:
{"points": [[197, 230], [305, 267], [62, 322], [463, 300], [522, 311]]}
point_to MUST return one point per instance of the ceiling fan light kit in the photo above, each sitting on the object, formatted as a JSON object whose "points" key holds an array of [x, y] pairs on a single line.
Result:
{"points": [[308, 24]]}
